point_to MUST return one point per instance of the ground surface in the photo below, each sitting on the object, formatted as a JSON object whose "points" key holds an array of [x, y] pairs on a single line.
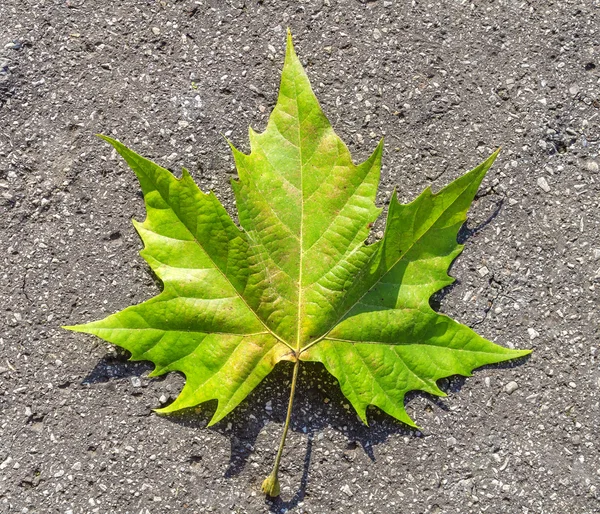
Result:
{"points": [[445, 83]]}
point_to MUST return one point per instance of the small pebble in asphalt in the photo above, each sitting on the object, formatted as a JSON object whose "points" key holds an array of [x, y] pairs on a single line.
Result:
{"points": [[533, 333], [511, 387], [346, 490], [136, 382], [543, 183], [592, 166]]}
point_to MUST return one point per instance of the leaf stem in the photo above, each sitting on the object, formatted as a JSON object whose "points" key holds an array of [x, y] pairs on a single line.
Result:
{"points": [[270, 485]]}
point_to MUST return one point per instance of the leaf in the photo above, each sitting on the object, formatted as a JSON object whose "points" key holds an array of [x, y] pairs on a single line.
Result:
{"points": [[298, 282]]}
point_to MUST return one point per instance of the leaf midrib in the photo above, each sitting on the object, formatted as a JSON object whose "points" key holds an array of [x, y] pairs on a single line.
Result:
{"points": [[301, 238]]}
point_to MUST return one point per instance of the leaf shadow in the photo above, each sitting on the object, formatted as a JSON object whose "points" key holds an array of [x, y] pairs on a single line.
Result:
{"points": [[319, 405], [116, 365], [465, 232]]}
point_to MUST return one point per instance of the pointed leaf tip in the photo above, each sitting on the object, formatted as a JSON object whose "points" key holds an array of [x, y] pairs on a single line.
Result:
{"points": [[75, 328], [520, 353], [108, 139], [290, 51], [379, 148], [487, 164]]}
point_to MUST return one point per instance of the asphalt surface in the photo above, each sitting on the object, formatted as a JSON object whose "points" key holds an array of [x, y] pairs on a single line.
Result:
{"points": [[445, 83]]}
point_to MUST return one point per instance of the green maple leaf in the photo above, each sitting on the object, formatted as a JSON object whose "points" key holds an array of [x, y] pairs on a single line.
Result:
{"points": [[298, 282]]}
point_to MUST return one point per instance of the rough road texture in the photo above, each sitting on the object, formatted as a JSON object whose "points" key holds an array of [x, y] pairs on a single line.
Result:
{"points": [[445, 83]]}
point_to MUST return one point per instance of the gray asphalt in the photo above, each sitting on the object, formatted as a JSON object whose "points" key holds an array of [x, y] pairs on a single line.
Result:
{"points": [[445, 83]]}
